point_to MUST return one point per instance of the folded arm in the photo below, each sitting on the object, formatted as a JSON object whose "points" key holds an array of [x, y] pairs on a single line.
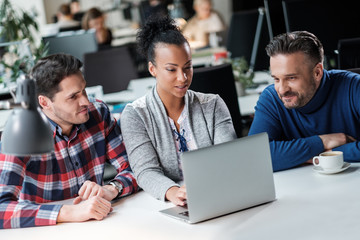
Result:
{"points": [[288, 146], [15, 214]]}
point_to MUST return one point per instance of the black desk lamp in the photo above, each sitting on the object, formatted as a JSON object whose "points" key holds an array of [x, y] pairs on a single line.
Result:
{"points": [[27, 130]]}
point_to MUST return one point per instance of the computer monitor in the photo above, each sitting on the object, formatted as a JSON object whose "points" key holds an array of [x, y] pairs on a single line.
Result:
{"points": [[247, 37], [112, 69], [76, 43], [274, 17], [330, 21]]}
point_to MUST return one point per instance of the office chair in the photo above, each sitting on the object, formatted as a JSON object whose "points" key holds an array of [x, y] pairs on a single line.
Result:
{"points": [[112, 68], [247, 37], [349, 53], [220, 80]]}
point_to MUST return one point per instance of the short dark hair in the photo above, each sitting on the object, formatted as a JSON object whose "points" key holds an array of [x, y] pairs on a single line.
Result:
{"points": [[298, 41], [51, 70], [158, 30]]}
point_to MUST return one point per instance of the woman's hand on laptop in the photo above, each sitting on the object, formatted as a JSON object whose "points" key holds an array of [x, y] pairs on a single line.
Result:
{"points": [[176, 195]]}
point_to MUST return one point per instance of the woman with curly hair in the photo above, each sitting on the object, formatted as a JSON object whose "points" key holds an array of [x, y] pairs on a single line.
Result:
{"points": [[171, 119]]}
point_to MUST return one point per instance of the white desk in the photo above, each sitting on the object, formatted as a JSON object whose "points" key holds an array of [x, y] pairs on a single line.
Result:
{"points": [[308, 206], [247, 104]]}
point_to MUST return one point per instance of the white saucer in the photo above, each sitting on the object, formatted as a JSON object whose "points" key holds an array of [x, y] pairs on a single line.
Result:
{"points": [[321, 170]]}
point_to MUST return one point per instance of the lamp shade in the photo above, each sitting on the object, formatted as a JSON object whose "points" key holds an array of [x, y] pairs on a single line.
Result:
{"points": [[27, 130]]}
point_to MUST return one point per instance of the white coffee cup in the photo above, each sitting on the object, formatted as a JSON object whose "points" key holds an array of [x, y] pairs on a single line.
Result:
{"points": [[332, 160]]}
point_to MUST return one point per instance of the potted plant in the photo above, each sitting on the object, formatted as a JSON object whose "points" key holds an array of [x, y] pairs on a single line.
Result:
{"points": [[243, 77], [17, 25]]}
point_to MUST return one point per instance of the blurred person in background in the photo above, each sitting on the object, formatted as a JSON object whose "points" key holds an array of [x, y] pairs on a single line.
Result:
{"points": [[65, 19], [76, 11], [95, 19], [202, 24]]}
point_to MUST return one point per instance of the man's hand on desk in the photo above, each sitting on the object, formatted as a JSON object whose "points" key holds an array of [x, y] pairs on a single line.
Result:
{"points": [[93, 202], [334, 140], [95, 207], [89, 189]]}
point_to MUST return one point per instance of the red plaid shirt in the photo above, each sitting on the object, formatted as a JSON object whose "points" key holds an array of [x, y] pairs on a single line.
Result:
{"points": [[26, 182]]}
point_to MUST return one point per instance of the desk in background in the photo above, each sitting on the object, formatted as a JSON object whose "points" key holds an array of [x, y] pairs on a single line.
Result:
{"points": [[139, 87], [204, 57], [247, 103], [308, 206], [136, 89], [122, 36]]}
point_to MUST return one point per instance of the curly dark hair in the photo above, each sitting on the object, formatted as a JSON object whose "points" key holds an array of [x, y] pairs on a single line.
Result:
{"points": [[158, 30], [51, 70]]}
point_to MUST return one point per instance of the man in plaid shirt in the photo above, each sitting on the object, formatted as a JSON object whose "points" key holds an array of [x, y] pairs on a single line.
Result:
{"points": [[85, 137]]}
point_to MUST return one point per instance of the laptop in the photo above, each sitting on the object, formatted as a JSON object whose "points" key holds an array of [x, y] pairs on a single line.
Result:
{"points": [[226, 178]]}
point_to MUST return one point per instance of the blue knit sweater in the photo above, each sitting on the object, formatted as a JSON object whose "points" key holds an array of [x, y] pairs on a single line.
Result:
{"points": [[293, 134]]}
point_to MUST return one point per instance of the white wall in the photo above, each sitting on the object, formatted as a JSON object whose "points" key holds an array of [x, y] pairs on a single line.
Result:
{"points": [[224, 7], [101, 4], [51, 7], [28, 6]]}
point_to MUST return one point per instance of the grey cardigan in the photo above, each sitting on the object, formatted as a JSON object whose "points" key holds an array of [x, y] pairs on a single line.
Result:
{"points": [[149, 140]]}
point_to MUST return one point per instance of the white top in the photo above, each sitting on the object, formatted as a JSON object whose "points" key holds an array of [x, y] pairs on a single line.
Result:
{"points": [[185, 132], [198, 29]]}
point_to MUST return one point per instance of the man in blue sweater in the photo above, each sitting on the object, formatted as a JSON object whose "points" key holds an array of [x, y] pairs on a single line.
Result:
{"points": [[308, 110]]}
